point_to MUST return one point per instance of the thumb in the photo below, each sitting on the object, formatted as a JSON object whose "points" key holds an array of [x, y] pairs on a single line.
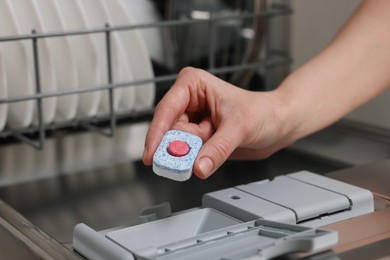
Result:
{"points": [[215, 152]]}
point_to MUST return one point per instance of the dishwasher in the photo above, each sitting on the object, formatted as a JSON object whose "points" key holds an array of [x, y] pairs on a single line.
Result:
{"points": [[76, 188]]}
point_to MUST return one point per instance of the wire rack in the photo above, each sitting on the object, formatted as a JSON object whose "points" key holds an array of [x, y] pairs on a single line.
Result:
{"points": [[106, 125]]}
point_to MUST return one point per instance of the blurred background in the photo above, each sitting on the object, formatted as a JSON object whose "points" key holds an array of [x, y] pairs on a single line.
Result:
{"points": [[77, 174]]}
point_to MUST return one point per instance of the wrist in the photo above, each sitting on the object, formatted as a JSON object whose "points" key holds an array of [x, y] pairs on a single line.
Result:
{"points": [[287, 113]]}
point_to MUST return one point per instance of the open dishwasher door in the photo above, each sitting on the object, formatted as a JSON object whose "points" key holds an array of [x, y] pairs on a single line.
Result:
{"points": [[259, 220]]}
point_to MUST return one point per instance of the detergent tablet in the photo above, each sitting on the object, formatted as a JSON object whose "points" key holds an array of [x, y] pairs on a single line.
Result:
{"points": [[176, 154]]}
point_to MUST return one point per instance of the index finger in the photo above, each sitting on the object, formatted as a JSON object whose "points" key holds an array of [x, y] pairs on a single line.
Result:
{"points": [[167, 113]]}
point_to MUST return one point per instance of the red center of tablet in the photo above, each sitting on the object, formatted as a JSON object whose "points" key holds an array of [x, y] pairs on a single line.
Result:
{"points": [[178, 148]]}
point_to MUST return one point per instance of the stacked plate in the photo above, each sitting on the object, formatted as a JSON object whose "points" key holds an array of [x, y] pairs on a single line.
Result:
{"points": [[73, 61]]}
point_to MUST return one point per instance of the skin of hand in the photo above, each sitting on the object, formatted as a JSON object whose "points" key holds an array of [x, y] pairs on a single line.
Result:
{"points": [[239, 124], [227, 118]]}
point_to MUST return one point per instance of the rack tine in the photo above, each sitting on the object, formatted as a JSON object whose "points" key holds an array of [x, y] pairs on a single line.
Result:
{"points": [[41, 125], [111, 131], [105, 125]]}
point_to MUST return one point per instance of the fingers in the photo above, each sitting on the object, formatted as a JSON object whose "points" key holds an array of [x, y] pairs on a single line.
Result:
{"points": [[205, 129], [167, 113], [203, 105], [170, 110], [216, 151]]}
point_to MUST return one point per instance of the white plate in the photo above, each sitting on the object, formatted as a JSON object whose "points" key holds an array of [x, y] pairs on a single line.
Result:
{"points": [[28, 19], [98, 17], [20, 114], [85, 52], [145, 12], [137, 53], [3, 92], [63, 60]]}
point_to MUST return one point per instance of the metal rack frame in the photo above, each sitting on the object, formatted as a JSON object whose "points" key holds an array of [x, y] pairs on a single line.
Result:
{"points": [[35, 135]]}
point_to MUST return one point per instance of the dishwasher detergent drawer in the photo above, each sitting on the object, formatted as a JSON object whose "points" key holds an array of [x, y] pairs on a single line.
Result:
{"points": [[259, 220]]}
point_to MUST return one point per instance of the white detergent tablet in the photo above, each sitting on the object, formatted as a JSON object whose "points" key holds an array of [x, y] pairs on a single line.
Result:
{"points": [[176, 154]]}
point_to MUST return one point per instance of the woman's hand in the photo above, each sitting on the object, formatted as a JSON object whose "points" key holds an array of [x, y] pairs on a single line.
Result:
{"points": [[232, 122], [240, 124]]}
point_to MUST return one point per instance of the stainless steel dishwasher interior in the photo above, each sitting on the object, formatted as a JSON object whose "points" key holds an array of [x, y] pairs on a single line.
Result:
{"points": [[56, 189], [114, 196]]}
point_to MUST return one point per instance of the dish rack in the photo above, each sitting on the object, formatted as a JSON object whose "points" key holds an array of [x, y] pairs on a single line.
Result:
{"points": [[106, 125]]}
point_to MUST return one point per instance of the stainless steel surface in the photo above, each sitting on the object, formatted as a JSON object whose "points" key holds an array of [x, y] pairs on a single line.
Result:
{"points": [[376, 250], [374, 177], [110, 197], [349, 127], [22, 240], [367, 236]]}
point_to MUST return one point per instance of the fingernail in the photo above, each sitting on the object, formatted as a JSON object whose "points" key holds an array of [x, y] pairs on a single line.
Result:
{"points": [[206, 166]]}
